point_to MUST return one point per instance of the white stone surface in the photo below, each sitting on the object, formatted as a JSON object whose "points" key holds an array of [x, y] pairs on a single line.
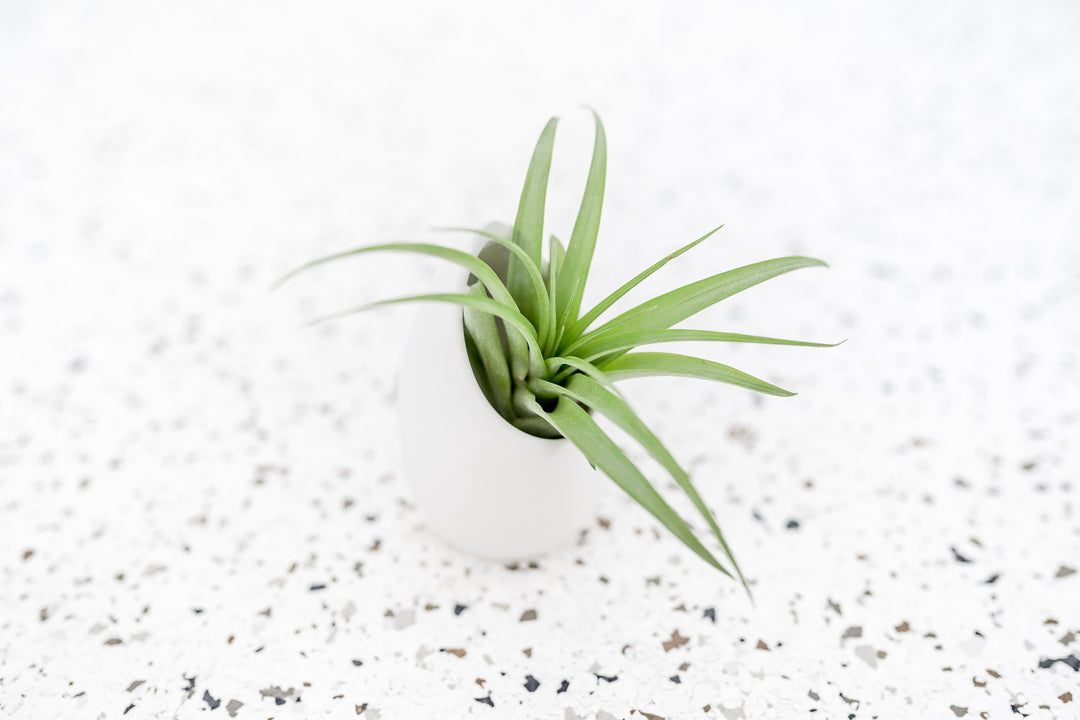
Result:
{"points": [[199, 500]]}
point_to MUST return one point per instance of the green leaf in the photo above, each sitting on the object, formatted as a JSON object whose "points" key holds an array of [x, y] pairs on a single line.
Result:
{"points": [[536, 279], [675, 306], [482, 329], [650, 364], [576, 364], [576, 425], [506, 313], [604, 348], [537, 426], [529, 224], [555, 259], [478, 369], [583, 239], [581, 325], [587, 391], [471, 263]]}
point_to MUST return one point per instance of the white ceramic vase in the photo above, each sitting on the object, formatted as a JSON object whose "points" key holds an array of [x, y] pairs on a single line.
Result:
{"points": [[483, 485]]}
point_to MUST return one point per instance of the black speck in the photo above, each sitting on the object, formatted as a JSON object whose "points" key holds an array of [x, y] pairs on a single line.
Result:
{"points": [[209, 700], [757, 516], [958, 557], [792, 524], [1016, 710], [197, 611], [710, 613], [564, 687], [190, 684], [279, 701], [606, 678], [458, 609], [531, 683], [128, 708], [260, 648], [486, 701], [675, 679], [992, 579], [319, 586], [1072, 661], [357, 663]]}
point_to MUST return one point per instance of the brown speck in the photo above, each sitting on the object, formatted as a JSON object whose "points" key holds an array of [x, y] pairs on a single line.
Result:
{"points": [[43, 614], [27, 554], [113, 641], [762, 646], [480, 681], [528, 652], [1065, 697], [527, 616], [993, 674], [1050, 621], [976, 683], [1067, 638], [902, 627], [707, 708], [625, 648], [457, 652], [603, 522], [676, 641]]}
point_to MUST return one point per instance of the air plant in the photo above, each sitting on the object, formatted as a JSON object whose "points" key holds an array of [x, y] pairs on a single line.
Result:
{"points": [[548, 369]]}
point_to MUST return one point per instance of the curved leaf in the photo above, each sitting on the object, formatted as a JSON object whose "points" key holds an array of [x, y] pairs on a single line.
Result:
{"points": [[636, 365], [583, 239], [536, 279], [507, 314], [470, 262], [529, 224], [483, 331], [606, 346], [587, 391], [576, 426], [581, 325], [675, 306]]}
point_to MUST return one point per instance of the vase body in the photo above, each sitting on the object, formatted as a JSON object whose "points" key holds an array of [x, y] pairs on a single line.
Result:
{"points": [[480, 483]]}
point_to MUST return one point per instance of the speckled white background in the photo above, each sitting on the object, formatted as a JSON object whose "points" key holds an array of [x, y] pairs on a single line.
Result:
{"points": [[200, 502]]}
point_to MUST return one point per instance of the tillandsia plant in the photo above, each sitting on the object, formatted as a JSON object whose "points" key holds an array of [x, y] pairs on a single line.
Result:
{"points": [[547, 368]]}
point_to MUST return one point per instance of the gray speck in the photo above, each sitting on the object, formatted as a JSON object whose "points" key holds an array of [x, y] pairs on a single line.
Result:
{"points": [[733, 713], [867, 655], [233, 706], [135, 684], [855, 631], [404, 619]]}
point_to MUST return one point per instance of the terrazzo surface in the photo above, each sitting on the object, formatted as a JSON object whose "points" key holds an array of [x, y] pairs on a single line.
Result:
{"points": [[201, 512]]}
